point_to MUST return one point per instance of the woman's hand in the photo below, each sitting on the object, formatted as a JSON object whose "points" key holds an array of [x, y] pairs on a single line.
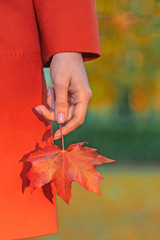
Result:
{"points": [[71, 93]]}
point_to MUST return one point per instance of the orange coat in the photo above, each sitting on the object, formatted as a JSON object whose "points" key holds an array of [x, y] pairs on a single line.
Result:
{"points": [[31, 32]]}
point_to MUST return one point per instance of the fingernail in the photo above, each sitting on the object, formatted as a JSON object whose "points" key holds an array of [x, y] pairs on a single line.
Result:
{"points": [[38, 110], [60, 117], [49, 91]]}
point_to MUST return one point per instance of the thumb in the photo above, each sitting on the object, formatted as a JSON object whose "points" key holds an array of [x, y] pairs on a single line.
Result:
{"points": [[61, 102]]}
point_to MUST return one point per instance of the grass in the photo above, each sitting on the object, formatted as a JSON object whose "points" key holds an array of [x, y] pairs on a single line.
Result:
{"points": [[128, 208]]}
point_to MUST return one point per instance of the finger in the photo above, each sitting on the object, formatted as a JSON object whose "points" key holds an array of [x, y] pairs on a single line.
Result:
{"points": [[50, 97], [77, 120], [61, 100], [41, 109]]}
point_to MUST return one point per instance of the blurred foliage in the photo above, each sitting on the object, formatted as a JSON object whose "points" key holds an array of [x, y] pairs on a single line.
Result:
{"points": [[127, 74], [123, 115]]}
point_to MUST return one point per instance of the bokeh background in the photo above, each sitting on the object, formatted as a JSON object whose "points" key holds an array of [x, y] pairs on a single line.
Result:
{"points": [[123, 123]]}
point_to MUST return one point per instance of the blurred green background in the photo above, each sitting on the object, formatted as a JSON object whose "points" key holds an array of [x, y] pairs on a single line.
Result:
{"points": [[123, 123]]}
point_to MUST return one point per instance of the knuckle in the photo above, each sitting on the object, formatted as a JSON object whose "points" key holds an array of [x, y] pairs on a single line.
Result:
{"points": [[76, 122], [60, 80], [91, 95], [88, 94], [80, 122], [61, 104]]}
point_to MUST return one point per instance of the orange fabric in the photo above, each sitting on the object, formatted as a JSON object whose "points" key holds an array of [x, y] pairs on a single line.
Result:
{"points": [[68, 26], [30, 33]]}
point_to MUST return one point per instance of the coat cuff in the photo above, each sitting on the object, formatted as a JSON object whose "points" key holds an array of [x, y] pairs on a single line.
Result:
{"points": [[67, 26]]}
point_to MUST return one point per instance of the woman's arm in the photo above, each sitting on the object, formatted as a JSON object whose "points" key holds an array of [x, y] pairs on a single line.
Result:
{"points": [[69, 36]]}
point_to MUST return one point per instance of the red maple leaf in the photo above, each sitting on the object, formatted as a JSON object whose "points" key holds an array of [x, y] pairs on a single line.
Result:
{"points": [[76, 163]]}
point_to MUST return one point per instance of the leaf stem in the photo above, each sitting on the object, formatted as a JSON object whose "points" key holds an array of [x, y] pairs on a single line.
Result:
{"points": [[62, 137]]}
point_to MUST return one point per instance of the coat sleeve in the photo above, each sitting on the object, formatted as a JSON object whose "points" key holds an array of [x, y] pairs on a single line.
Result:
{"points": [[67, 26]]}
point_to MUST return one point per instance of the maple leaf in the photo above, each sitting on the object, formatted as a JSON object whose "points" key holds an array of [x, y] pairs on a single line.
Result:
{"points": [[76, 163]]}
